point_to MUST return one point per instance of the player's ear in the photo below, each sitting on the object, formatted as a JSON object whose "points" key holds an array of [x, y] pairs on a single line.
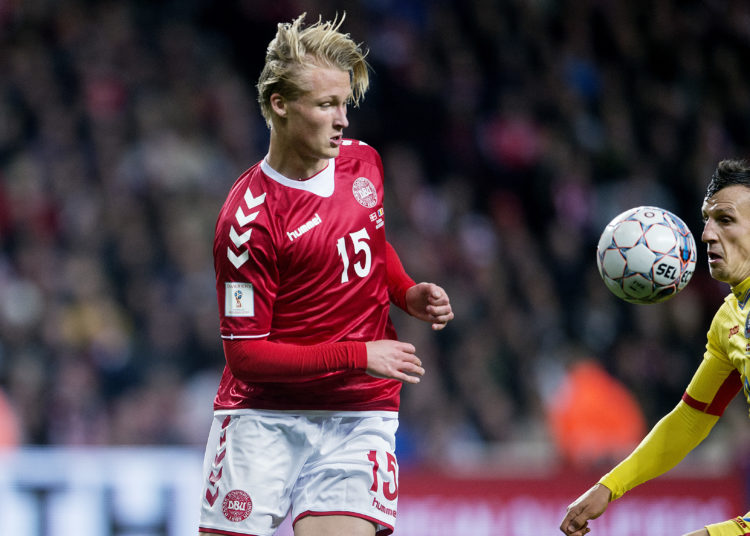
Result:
{"points": [[278, 104]]}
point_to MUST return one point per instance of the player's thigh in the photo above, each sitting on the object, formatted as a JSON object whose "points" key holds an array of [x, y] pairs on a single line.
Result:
{"points": [[252, 461], [353, 472], [334, 525]]}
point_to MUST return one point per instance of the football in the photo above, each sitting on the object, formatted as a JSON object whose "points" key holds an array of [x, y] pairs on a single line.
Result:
{"points": [[646, 255]]}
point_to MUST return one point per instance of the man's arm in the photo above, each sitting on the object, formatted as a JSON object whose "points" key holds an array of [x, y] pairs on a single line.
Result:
{"points": [[425, 301], [399, 281], [253, 360], [713, 386], [673, 437]]}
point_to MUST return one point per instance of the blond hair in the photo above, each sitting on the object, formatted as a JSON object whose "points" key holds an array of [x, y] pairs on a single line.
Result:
{"points": [[296, 47]]}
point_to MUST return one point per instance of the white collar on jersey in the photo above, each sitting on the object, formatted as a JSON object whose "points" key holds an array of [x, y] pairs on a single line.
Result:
{"points": [[319, 184]]}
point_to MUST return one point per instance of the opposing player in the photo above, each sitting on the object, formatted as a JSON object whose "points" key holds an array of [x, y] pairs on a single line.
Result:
{"points": [[721, 374], [307, 408]]}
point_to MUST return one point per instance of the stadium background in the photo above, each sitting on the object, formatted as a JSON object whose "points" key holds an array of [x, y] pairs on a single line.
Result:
{"points": [[511, 132]]}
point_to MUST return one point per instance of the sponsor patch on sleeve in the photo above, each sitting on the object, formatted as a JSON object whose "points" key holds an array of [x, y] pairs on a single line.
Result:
{"points": [[238, 299]]}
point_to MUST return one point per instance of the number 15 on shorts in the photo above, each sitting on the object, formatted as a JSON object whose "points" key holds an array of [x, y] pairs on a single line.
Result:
{"points": [[390, 488]]}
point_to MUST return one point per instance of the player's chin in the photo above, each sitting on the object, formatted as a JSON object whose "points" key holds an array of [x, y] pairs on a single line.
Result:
{"points": [[332, 150], [718, 272]]}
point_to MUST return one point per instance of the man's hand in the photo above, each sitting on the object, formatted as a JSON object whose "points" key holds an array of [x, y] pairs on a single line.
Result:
{"points": [[590, 505], [393, 359], [430, 303]]}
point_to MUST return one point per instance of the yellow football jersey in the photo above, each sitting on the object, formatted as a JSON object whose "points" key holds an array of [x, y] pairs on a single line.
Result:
{"points": [[722, 373]]}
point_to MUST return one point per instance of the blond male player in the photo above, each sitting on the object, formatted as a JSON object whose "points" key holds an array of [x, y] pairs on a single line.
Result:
{"points": [[307, 408]]}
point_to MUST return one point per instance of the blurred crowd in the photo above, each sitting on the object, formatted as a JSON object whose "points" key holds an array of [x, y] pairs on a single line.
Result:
{"points": [[511, 132]]}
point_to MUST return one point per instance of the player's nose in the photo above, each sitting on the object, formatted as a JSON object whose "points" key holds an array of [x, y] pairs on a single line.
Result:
{"points": [[709, 233], [340, 119]]}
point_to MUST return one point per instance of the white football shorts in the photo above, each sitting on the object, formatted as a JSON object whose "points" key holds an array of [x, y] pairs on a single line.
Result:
{"points": [[260, 464]]}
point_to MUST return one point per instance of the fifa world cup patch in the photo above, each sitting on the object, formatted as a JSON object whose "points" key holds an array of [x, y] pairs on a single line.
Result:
{"points": [[238, 299]]}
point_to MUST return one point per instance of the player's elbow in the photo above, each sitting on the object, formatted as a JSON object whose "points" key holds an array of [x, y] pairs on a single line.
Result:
{"points": [[239, 358]]}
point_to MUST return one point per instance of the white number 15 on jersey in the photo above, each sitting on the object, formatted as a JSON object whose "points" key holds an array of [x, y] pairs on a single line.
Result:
{"points": [[359, 240]]}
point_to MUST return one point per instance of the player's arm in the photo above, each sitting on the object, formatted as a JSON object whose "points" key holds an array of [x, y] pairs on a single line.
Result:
{"points": [[713, 386], [673, 437], [399, 281], [253, 360], [426, 301]]}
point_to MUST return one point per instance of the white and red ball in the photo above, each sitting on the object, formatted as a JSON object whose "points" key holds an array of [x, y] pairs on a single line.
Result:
{"points": [[646, 255]]}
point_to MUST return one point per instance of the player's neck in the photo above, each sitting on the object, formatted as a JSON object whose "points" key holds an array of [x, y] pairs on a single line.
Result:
{"points": [[292, 165]]}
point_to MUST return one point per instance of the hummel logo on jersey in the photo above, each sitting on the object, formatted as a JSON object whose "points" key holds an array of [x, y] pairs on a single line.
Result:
{"points": [[302, 229], [243, 219]]}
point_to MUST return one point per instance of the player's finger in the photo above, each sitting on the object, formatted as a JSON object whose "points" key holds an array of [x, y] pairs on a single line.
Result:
{"points": [[567, 526], [407, 348], [440, 315], [439, 310], [412, 364], [438, 297], [575, 523], [580, 532], [440, 323], [416, 372], [408, 378], [445, 317]]}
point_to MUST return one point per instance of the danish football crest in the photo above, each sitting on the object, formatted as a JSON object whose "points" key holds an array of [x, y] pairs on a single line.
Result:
{"points": [[364, 192], [237, 505]]}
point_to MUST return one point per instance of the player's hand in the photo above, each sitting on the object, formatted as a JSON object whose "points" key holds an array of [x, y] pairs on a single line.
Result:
{"points": [[430, 303], [395, 360], [590, 505]]}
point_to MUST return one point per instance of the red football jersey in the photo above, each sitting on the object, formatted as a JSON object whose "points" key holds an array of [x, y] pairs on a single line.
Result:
{"points": [[304, 262]]}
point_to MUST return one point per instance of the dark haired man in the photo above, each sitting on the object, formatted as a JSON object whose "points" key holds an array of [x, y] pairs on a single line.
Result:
{"points": [[722, 373]]}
